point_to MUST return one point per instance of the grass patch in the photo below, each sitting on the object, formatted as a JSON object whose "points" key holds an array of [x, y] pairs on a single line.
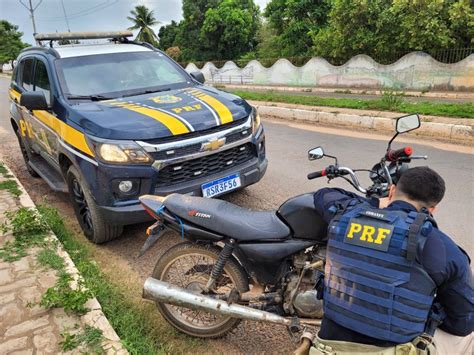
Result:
{"points": [[133, 324], [3, 170], [28, 228], [90, 338], [389, 102], [61, 295], [49, 258], [11, 186]]}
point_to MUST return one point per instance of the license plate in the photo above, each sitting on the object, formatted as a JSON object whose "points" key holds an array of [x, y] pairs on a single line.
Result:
{"points": [[220, 186]]}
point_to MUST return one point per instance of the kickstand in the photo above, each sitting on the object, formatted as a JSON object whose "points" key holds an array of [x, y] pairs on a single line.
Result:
{"points": [[157, 231]]}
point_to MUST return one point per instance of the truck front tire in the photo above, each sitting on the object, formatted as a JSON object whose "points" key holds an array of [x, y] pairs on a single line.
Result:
{"points": [[95, 227]]}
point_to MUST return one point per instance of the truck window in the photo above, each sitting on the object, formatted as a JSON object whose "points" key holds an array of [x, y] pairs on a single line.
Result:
{"points": [[42, 80], [118, 74], [26, 74]]}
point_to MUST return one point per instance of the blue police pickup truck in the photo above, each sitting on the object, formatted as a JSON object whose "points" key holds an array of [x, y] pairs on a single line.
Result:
{"points": [[109, 122]]}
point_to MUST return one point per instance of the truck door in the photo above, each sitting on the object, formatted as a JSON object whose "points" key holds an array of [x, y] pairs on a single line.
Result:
{"points": [[43, 122], [24, 83]]}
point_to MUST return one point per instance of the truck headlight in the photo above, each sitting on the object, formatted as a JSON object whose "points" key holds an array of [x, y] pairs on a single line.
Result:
{"points": [[120, 152], [255, 120]]}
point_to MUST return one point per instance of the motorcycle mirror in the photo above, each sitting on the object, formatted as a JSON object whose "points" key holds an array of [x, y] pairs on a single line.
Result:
{"points": [[316, 153], [407, 123]]}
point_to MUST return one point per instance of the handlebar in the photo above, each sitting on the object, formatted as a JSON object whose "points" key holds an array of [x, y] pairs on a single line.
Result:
{"points": [[393, 155], [334, 171], [317, 174]]}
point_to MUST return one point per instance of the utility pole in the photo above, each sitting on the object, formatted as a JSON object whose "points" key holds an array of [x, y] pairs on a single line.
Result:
{"points": [[31, 10]]}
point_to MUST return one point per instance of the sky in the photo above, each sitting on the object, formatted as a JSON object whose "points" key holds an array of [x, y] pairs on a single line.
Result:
{"points": [[86, 15]]}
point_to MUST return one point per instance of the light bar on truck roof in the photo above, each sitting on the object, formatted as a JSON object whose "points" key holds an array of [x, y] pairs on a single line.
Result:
{"points": [[56, 36]]}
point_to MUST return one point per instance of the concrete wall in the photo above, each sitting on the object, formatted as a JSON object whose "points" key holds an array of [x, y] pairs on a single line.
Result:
{"points": [[416, 71]]}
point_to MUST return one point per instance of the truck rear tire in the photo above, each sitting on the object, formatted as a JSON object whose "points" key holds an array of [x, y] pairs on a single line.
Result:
{"points": [[26, 155], [95, 227]]}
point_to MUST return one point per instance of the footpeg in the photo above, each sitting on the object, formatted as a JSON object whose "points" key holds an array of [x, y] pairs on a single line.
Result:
{"points": [[154, 233]]}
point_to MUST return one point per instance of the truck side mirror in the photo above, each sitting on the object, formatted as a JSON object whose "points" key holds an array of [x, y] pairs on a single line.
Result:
{"points": [[199, 76], [33, 100]]}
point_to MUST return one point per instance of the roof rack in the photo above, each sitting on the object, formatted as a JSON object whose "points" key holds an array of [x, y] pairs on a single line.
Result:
{"points": [[57, 36]]}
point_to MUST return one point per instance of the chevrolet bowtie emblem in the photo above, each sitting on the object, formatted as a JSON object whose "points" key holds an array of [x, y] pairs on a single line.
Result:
{"points": [[213, 144]]}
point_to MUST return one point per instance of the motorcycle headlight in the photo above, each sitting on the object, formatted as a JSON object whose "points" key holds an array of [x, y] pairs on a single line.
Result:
{"points": [[120, 152], [255, 121]]}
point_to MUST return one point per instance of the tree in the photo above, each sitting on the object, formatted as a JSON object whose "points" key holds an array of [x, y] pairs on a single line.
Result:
{"points": [[385, 29], [168, 34], [144, 19], [174, 52], [188, 37], [10, 43], [357, 27], [229, 30], [294, 21]]}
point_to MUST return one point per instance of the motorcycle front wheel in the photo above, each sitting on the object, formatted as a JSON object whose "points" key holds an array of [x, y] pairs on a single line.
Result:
{"points": [[189, 266]]}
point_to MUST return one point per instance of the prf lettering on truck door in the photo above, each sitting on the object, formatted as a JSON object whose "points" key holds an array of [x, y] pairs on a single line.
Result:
{"points": [[369, 233]]}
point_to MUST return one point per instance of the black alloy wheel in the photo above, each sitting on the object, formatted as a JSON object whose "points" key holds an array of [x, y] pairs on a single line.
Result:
{"points": [[96, 227], [85, 219], [26, 156]]}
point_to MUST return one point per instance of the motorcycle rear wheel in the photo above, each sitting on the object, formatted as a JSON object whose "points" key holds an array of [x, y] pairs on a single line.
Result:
{"points": [[188, 266]]}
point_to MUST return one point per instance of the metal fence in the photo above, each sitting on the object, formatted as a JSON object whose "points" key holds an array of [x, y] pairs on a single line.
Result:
{"points": [[447, 56]]}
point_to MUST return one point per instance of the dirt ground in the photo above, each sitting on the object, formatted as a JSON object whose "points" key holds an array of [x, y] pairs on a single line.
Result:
{"points": [[121, 254]]}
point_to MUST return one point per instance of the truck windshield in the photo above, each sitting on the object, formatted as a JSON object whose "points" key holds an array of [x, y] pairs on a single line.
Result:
{"points": [[118, 74]]}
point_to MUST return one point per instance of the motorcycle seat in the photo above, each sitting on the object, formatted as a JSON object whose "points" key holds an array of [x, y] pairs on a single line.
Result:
{"points": [[227, 219]]}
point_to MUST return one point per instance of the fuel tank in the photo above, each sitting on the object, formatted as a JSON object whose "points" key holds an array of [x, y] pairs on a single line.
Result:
{"points": [[305, 222]]}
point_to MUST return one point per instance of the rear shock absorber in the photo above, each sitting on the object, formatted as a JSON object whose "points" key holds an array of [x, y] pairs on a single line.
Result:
{"points": [[218, 267]]}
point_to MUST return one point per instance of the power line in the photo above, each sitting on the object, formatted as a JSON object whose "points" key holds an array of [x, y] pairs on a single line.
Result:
{"points": [[31, 9], [65, 15], [84, 12]]}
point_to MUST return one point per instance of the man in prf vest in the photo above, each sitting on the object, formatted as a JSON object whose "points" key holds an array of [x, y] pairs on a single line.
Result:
{"points": [[392, 278]]}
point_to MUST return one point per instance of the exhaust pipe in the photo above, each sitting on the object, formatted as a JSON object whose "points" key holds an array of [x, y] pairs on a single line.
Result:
{"points": [[156, 290]]}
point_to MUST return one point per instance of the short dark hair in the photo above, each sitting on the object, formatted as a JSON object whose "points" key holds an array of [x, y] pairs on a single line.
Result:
{"points": [[422, 184]]}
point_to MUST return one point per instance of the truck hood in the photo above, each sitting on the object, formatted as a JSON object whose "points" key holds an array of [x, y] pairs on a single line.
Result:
{"points": [[160, 115]]}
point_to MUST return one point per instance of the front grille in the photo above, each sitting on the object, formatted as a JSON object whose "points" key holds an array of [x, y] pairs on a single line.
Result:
{"points": [[205, 166], [177, 152], [196, 148]]}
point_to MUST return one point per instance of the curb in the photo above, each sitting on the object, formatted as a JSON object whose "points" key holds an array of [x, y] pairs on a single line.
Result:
{"points": [[95, 317], [452, 132]]}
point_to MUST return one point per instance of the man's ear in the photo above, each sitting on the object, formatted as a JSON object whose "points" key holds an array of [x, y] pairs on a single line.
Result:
{"points": [[432, 209]]}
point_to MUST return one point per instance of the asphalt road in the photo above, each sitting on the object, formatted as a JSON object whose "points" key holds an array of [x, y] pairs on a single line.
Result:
{"points": [[287, 145]]}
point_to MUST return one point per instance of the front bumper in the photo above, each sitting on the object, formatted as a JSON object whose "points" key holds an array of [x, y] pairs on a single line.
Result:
{"points": [[250, 173]]}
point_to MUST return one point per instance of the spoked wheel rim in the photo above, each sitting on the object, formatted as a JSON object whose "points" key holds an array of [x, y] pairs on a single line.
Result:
{"points": [[191, 272], [82, 206]]}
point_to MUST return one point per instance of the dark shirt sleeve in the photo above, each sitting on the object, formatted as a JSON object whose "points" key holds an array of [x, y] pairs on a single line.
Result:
{"points": [[448, 266], [325, 199]]}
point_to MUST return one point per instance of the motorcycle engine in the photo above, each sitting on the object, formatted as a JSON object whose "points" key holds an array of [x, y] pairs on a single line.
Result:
{"points": [[307, 304], [302, 300]]}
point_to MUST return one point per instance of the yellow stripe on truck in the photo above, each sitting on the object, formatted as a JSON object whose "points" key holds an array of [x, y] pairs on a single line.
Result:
{"points": [[14, 95], [225, 116], [68, 134], [172, 123]]}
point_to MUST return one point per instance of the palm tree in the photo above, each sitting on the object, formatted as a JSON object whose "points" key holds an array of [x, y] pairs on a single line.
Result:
{"points": [[143, 19]]}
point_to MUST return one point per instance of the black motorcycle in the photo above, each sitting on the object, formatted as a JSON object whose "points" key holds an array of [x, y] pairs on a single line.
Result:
{"points": [[243, 264]]}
